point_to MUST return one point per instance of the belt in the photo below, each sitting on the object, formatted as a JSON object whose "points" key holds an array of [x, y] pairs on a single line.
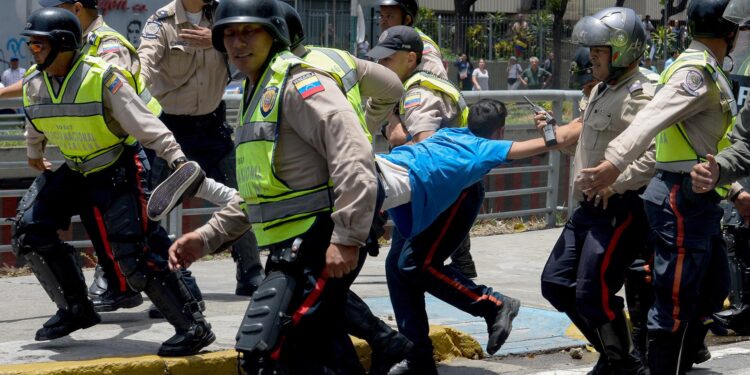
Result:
{"points": [[208, 116], [671, 177]]}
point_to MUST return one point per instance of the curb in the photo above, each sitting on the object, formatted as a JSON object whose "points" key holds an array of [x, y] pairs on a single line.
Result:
{"points": [[448, 343]]}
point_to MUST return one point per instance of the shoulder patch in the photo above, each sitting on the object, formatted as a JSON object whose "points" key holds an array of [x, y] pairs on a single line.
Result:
{"points": [[92, 38], [693, 82], [636, 86], [151, 30], [113, 83], [110, 46], [308, 85], [413, 100]]}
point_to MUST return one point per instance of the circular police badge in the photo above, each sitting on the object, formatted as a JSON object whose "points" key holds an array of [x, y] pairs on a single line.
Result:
{"points": [[693, 82], [268, 100]]}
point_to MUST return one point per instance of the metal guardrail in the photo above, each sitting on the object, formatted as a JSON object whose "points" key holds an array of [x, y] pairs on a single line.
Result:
{"points": [[173, 222]]}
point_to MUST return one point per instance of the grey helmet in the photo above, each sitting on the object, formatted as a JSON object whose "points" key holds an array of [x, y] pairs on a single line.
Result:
{"points": [[618, 28], [738, 11]]}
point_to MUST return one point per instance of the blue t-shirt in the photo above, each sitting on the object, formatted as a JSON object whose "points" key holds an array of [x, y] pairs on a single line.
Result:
{"points": [[440, 167]]}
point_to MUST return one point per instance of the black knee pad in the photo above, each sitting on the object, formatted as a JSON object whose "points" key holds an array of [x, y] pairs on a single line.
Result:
{"points": [[130, 257], [265, 320]]}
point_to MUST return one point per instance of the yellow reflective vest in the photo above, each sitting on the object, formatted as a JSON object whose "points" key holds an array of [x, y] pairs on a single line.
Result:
{"points": [[341, 65], [433, 82], [278, 213], [91, 48], [674, 151], [73, 119]]}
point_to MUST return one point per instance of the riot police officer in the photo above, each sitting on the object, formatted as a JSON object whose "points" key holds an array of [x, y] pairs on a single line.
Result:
{"points": [[689, 117], [588, 263], [307, 184], [89, 109]]}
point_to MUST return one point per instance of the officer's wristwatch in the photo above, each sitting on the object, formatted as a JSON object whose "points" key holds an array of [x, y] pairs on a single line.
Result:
{"points": [[178, 162]]}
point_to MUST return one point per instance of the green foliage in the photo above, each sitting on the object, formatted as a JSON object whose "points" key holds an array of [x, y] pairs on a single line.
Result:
{"points": [[658, 37], [504, 49], [477, 37]]}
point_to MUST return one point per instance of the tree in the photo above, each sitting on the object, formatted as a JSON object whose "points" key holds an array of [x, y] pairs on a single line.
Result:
{"points": [[462, 11], [558, 8], [620, 3]]}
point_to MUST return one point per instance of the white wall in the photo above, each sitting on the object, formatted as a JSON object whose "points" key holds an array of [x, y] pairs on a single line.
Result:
{"points": [[118, 14]]}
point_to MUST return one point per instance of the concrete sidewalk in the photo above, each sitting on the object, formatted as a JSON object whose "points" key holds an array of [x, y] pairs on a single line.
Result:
{"points": [[510, 263]]}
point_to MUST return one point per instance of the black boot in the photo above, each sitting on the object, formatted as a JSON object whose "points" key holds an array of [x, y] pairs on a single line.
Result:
{"points": [[99, 285], [192, 285], [114, 300], [462, 261], [500, 323], [388, 345], [602, 364], [65, 321], [665, 349], [173, 298], [249, 270], [616, 342], [694, 348], [57, 270], [418, 365]]}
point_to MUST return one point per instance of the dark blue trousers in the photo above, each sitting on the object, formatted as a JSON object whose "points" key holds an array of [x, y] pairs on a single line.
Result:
{"points": [[588, 264], [416, 265], [691, 273]]}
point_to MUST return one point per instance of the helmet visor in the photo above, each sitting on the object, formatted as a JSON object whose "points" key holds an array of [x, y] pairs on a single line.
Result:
{"points": [[738, 11], [591, 32]]}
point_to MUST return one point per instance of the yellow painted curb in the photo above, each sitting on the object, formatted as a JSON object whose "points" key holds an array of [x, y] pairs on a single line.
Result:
{"points": [[448, 342]]}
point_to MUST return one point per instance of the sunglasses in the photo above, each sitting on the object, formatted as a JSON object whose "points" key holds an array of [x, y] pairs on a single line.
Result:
{"points": [[35, 46]]}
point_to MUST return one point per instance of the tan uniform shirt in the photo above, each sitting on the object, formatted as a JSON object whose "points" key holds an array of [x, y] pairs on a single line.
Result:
{"points": [[682, 99], [432, 60], [124, 112], [319, 139], [609, 111], [428, 110], [186, 80], [378, 83], [112, 50]]}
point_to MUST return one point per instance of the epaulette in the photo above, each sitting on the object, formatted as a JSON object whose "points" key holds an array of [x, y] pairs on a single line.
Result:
{"points": [[636, 86], [163, 14]]}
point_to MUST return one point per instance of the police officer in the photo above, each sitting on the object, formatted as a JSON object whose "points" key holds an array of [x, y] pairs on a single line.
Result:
{"points": [[404, 12], [188, 76], [588, 263], [383, 88], [89, 109], [310, 193], [689, 117], [431, 103]]}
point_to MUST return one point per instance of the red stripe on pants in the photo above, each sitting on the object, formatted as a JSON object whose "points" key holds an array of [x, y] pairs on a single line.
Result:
{"points": [[108, 248], [605, 264]]}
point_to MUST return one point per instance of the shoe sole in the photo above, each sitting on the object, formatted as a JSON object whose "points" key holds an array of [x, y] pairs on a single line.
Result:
{"points": [[168, 193], [206, 341], [128, 303]]}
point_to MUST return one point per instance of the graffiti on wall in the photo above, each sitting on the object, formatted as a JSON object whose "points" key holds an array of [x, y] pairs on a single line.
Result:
{"points": [[17, 48], [134, 32], [108, 5]]}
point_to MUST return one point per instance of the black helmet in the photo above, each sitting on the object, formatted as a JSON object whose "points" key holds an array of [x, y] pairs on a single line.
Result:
{"points": [[264, 12], [294, 23], [705, 19], [59, 25], [409, 7]]}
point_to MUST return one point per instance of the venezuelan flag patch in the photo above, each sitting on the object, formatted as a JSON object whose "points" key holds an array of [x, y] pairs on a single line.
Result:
{"points": [[110, 46], [113, 83], [308, 85], [413, 100]]}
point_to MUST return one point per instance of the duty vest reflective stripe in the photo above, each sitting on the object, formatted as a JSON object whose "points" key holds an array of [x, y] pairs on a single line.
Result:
{"points": [[278, 212], [674, 151], [341, 66], [91, 48], [74, 118], [429, 45], [436, 83]]}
